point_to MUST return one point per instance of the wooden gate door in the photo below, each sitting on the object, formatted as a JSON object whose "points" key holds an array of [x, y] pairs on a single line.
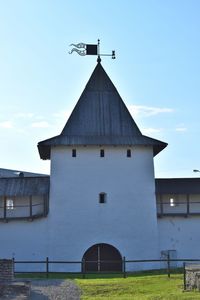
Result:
{"points": [[102, 257]]}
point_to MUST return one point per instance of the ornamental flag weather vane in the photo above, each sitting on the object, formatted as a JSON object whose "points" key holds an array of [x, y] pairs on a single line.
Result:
{"points": [[90, 49]]}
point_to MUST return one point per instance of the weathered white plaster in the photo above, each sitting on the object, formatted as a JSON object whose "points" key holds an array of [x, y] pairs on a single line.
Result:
{"points": [[127, 220], [24, 240], [180, 234], [77, 220]]}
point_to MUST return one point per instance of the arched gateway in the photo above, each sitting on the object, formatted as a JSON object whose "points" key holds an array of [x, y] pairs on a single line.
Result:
{"points": [[102, 257]]}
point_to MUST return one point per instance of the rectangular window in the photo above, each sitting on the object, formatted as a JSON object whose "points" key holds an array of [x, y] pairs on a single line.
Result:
{"points": [[102, 197], [9, 204], [73, 152], [102, 154], [172, 202], [128, 153]]}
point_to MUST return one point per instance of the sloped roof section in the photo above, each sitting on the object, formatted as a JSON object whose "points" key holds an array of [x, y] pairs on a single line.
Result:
{"points": [[100, 117], [177, 185], [100, 111], [24, 186], [17, 173]]}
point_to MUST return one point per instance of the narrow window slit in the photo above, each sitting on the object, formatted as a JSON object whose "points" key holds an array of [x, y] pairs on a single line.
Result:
{"points": [[73, 152], [102, 198], [102, 153], [128, 153]]}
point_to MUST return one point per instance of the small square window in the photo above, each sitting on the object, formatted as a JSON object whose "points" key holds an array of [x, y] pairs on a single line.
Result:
{"points": [[102, 153], [128, 153], [73, 152], [102, 197]]}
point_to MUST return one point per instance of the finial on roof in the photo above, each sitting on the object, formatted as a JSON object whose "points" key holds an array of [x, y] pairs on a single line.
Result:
{"points": [[98, 52], [90, 49]]}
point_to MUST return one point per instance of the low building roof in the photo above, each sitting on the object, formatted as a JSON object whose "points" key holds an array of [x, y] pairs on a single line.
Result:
{"points": [[17, 173], [177, 185], [39, 186], [24, 186]]}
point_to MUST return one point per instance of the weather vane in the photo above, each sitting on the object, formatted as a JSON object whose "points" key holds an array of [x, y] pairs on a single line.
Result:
{"points": [[90, 49]]}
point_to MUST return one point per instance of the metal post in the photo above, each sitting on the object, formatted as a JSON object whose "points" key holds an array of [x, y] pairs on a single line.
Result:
{"points": [[13, 259], [47, 267], [184, 277], [44, 205], [124, 266], [30, 207], [83, 268], [161, 205], [4, 208], [188, 204], [168, 265]]}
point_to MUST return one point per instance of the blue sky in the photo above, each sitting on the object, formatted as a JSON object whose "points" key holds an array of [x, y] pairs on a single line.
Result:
{"points": [[156, 72]]}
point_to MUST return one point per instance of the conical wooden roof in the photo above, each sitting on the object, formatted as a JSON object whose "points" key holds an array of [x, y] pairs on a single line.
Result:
{"points": [[100, 117]]}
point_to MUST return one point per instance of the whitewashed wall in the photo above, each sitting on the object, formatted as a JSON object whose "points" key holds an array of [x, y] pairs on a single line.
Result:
{"points": [[180, 234], [77, 220], [24, 240]]}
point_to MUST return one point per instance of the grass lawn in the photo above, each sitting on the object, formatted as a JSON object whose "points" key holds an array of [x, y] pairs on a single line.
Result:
{"points": [[151, 287], [141, 286]]}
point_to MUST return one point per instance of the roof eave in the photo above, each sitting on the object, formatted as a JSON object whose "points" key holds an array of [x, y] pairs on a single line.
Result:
{"points": [[158, 148], [44, 147]]}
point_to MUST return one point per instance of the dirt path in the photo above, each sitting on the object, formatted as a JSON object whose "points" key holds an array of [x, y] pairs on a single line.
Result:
{"points": [[54, 290]]}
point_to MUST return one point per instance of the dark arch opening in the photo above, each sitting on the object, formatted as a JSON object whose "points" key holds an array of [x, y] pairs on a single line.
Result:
{"points": [[102, 258]]}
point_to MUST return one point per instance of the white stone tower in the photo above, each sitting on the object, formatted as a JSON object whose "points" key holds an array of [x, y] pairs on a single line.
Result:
{"points": [[102, 186]]}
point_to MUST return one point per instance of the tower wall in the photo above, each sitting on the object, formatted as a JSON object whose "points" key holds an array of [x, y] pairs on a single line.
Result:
{"points": [[127, 220]]}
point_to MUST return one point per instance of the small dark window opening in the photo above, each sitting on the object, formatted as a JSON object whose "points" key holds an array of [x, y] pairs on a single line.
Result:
{"points": [[73, 152], [102, 153], [102, 197], [128, 154]]}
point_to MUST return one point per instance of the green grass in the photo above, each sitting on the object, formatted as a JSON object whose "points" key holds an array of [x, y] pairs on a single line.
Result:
{"points": [[146, 287], [138, 286]]}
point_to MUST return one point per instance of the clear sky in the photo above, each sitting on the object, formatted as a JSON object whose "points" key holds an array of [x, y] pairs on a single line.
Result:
{"points": [[156, 71]]}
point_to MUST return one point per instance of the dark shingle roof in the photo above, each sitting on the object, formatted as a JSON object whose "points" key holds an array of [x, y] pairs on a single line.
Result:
{"points": [[178, 185], [100, 117], [17, 173], [24, 186]]}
